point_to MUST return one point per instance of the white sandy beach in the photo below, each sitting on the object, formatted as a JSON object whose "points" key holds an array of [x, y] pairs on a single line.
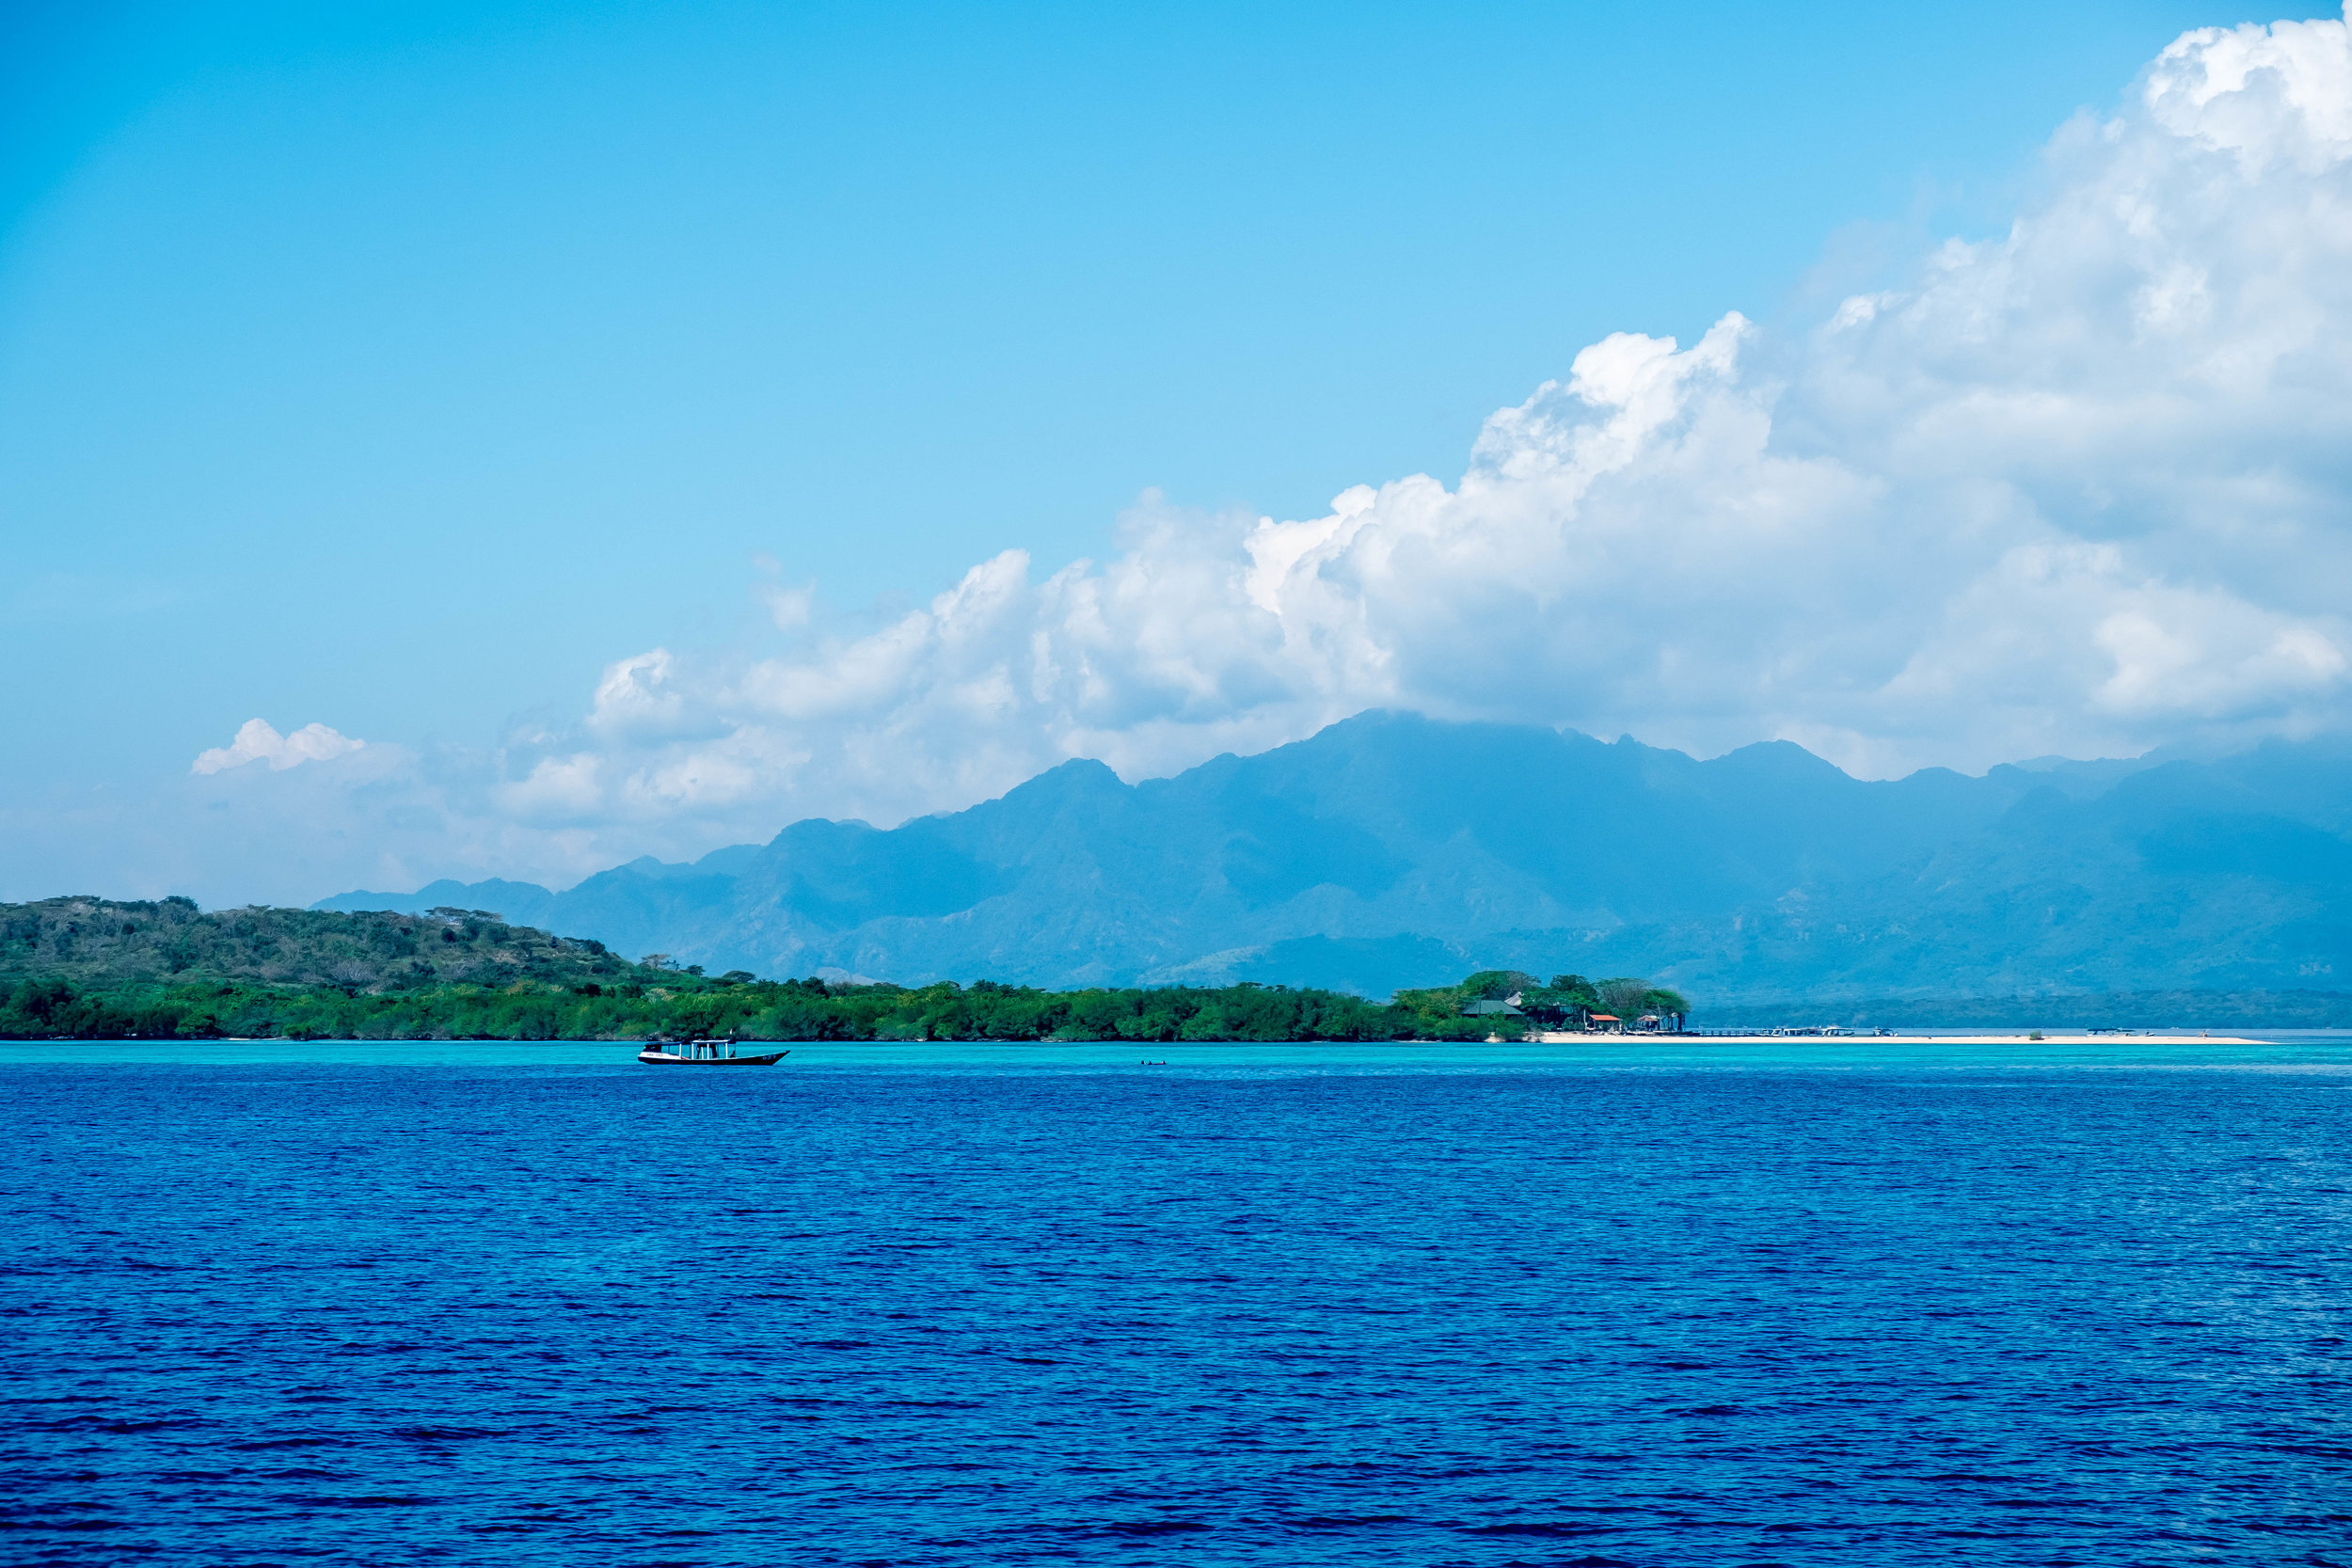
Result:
{"points": [[2047, 1037]]}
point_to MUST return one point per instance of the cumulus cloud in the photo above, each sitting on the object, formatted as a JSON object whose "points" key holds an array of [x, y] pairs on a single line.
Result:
{"points": [[257, 741], [2081, 487]]}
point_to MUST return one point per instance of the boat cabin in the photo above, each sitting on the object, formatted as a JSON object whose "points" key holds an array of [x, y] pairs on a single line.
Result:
{"points": [[704, 1053], [693, 1051]]}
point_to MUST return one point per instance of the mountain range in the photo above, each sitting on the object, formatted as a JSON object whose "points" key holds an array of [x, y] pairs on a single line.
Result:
{"points": [[1392, 850]]}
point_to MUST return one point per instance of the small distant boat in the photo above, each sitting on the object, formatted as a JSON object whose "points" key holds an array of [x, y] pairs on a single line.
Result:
{"points": [[661, 1052]]}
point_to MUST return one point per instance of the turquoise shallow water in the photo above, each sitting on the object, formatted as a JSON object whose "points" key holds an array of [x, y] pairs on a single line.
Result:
{"points": [[1819, 1303], [2302, 1049]]}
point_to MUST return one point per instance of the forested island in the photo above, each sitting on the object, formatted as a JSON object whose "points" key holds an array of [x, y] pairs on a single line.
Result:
{"points": [[90, 968]]}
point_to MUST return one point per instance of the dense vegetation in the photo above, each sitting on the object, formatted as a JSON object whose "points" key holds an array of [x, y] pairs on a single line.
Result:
{"points": [[99, 942], [464, 974], [1566, 1002]]}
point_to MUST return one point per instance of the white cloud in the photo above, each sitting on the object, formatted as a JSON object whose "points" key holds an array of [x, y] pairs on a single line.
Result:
{"points": [[636, 697], [2081, 487], [2259, 92], [789, 607], [256, 742], [556, 789]]}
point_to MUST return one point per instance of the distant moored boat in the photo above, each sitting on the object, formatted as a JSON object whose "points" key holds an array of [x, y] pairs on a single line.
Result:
{"points": [[660, 1052]]}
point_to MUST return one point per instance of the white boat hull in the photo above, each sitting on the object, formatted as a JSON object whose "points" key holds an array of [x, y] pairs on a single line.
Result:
{"points": [[653, 1057]]}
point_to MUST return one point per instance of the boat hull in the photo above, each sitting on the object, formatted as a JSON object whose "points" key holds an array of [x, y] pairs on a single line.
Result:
{"points": [[664, 1059]]}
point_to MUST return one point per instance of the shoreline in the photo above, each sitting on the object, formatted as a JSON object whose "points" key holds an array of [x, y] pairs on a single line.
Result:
{"points": [[1586, 1054], [1694, 1041], [1968, 1037]]}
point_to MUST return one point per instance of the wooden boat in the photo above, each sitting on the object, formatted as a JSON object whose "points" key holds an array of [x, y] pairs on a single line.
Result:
{"points": [[660, 1052]]}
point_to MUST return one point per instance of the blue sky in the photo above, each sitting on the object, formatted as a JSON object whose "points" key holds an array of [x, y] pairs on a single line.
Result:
{"points": [[408, 369], [391, 365]]}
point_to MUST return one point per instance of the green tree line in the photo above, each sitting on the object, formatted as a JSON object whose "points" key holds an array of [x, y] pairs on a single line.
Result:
{"points": [[688, 1005], [1562, 1002]]}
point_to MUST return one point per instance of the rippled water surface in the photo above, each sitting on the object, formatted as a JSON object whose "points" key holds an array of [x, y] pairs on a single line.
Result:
{"points": [[370, 1305]]}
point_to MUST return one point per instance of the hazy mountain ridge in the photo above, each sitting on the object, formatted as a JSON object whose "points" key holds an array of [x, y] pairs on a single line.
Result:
{"points": [[1392, 849]]}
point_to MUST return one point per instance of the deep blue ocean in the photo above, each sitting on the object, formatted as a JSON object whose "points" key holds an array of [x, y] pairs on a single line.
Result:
{"points": [[1807, 1303]]}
